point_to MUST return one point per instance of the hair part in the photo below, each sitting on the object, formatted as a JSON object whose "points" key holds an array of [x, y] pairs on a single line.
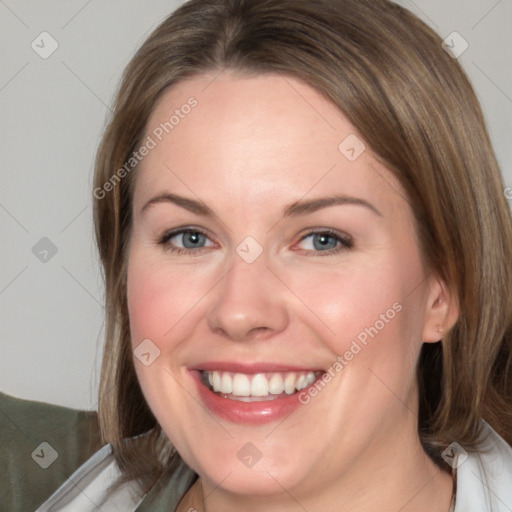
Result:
{"points": [[414, 106]]}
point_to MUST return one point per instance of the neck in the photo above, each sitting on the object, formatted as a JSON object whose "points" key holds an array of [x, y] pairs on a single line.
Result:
{"points": [[401, 478]]}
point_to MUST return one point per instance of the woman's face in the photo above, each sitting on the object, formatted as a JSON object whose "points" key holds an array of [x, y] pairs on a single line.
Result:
{"points": [[301, 262]]}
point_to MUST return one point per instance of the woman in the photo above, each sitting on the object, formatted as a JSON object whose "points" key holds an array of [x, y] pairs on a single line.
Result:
{"points": [[305, 244]]}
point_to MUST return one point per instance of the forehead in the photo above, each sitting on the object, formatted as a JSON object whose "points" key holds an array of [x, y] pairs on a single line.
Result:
{"points": [[256, 138]]}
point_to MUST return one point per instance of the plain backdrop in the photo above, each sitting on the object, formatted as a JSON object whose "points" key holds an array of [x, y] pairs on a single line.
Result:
{"points": [[52, 113]]}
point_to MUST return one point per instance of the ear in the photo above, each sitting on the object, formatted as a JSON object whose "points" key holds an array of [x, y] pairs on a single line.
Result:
{"points": [[442, 310]]}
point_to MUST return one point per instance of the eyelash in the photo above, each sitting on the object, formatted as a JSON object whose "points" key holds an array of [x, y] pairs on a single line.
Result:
{"points": [[346, 241]]}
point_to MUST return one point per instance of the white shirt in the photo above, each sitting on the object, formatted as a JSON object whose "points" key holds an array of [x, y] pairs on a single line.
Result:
{"points": [[87, 488], [484, 479], [484, 482]]}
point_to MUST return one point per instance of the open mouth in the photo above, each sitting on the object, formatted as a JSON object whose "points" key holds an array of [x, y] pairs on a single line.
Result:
{"points": [[257, 387]]}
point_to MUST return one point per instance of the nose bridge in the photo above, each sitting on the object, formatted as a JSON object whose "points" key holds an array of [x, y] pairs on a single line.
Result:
{"points": [[247, 301]]}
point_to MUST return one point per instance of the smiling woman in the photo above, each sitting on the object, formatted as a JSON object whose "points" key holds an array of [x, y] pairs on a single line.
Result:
{"points": [[335, 168]]}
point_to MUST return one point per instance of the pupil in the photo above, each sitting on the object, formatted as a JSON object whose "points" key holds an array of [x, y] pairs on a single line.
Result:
{"points": [[192, 237], [323, 240]]}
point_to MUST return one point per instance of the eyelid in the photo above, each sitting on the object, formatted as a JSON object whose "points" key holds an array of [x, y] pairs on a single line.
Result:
{"points": [[167, 235], [163, 240], [345, 240]]}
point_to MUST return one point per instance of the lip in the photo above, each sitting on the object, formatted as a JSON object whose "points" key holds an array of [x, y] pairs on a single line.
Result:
{"points": [[250, 368], [250, 413]]}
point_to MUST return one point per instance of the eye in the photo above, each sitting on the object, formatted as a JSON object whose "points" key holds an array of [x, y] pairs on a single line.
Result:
{"points": [[326, 242], [186, 240]]}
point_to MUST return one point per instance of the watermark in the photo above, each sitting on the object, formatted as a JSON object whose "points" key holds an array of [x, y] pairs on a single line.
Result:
{"points": [[508, 193], [45, 455], [454, 455], [249, 455], [150, 142], [44, 250], [146, 352], [44, 45], [351, 147], [356, 347], [454, 45], [249, 249]]}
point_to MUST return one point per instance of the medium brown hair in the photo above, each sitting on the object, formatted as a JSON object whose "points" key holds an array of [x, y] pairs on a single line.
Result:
{"points": [[414, 106]]}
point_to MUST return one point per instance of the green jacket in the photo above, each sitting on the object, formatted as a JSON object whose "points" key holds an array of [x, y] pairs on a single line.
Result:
{"points": [[29, 470], [41, 445]]}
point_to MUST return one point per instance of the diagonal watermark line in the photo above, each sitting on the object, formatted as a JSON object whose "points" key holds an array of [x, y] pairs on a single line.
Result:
{"points": [[82, 286], [13, 13], [492, 209], [202, 202], [421, 281], [9, 490], [13, 279], [75, 15], [287, 492], [85, 85], [424, 13], [419, 492], [196, 303], [13, 217], [17, 426], [398, 398], [94, 408], [205, 497], [492, 81], [93, 503], [213, 79], [391, 185], [279, 424], [199, 403], [486, 14], [300, 299], [14, 76], [311, 188], [492, 491], [306, 101], [73, 219], [56, 428]]}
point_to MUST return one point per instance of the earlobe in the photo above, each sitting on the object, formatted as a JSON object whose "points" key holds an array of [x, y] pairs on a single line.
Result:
{"points": [[441, 313]]}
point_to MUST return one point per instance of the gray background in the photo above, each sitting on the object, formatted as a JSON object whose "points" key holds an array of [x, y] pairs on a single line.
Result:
{"points": [[52, 113]]}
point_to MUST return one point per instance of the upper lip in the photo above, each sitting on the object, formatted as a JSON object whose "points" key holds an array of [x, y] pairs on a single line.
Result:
{"points": [[250, 368]]}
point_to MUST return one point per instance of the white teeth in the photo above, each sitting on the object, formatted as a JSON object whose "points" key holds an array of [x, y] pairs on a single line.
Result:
{"points": [[260, 384], [301, 382], [226, 383], [216, 381], [241, 385], [276, 384], [289, 383]]}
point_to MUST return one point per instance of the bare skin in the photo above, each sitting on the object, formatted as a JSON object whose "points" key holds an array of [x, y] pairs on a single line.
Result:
{"points": [[250, 147]]}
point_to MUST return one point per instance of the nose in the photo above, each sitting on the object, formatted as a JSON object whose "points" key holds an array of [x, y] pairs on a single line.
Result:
{"points": [[249, 302]]}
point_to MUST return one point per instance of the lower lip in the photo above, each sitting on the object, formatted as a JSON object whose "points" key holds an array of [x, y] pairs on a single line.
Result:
{"points": [[255, 413]]}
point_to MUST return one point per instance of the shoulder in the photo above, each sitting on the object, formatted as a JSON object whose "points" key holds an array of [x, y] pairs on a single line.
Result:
{"points": [[484, 477], [92, 485], [40, 446]]}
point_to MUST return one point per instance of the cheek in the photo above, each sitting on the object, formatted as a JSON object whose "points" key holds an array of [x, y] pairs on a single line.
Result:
{"points": [[149, 303], [159, 298], [348, 302], [370, 315]]}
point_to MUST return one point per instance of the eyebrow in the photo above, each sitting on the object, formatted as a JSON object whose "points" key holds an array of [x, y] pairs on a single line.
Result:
{"points": [[197, 207], [294, 209]]}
